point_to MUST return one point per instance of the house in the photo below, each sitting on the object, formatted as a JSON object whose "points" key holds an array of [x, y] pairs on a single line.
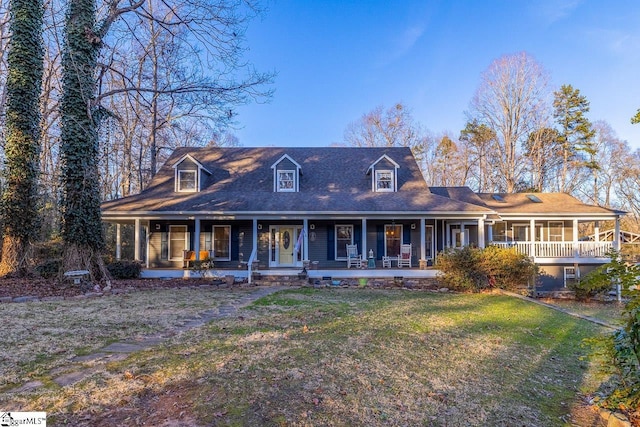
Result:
{"points": [[287, 208]]}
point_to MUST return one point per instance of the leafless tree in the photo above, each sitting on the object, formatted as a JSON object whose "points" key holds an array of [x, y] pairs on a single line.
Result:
{"points": [[394, 127], [512, 93]]}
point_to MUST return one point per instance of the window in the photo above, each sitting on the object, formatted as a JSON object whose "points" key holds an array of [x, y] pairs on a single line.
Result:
{"points": [[187, 180], [177, 242], [286, 180], [384, 180], [534, 198], [556, 231], [344, 237], [500, 232], [393, 239], [222, 242], [520, 233]]}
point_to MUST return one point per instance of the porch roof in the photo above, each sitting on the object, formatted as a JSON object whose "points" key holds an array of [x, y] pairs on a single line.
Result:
{"points": [[543, 204]]}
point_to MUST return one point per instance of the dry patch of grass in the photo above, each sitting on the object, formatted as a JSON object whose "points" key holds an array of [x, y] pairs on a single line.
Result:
{"points": [[348, 357], [40, 336], [610, 312]]}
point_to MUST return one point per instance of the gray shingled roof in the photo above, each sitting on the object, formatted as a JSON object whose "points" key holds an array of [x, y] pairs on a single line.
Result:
{"points": [[333, 179]]}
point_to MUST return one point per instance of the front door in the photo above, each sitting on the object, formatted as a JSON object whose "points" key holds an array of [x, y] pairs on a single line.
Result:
{"points": [[284, 251]]}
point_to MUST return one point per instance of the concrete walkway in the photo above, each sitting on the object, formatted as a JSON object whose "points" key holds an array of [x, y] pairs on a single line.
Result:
{"points": [[78, 370]]}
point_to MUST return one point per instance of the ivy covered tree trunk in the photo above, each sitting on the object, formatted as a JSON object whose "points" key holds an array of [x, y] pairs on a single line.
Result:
{"points": [[81, 228], [22, 145]]}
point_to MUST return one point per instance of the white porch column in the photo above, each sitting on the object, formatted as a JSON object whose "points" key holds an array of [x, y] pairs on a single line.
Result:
{"points": [[596, 231], [447, 236], [490, 233], [254, 242], [118, 243], [196, 238], [364, 238], [532, 237], [463, 241], [481, 242], [146, 244], [616, 237], [136, 240], [305, 239], [423, 239], [576, 250]]}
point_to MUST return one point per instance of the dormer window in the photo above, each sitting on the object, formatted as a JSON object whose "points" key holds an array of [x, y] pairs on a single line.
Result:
{"points": [[286, 175], [384, 180], [187, 181], [384, 175], [286, 180], [189, 174]]}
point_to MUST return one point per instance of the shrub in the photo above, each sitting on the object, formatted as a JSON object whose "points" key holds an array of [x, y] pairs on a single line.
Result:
{"points": [[605, 277], [623, 347], [49, 269], [474, 269], [125, 269]]}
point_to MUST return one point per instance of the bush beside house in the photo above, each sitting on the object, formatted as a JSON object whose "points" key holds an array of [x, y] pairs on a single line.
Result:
{"points": [[470, 269]]}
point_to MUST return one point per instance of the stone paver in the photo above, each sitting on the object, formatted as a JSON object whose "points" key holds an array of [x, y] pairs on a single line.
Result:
{"points": [[120, 350]]}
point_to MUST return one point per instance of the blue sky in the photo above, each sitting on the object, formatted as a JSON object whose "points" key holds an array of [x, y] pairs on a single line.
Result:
{"points": [[337, 60]]}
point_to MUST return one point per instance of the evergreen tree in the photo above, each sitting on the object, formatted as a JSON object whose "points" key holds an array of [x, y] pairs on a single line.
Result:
{"points": [[22, 145], [575, 134]]}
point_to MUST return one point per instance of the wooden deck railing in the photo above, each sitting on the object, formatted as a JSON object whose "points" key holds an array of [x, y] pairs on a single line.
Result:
{"points": [[560, 249]]}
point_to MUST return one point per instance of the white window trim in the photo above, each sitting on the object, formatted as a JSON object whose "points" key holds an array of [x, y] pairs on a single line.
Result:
{"points": [[294, 187], [335, 244], [213, 243], [186, 241], [179, 181], [392, 186]]}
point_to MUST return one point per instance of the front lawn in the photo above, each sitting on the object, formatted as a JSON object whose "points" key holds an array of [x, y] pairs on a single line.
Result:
{"points": [[345, 357]]}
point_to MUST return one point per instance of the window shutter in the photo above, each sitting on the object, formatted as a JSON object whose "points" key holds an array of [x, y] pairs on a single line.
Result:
{"points": [[164, 246], [379, 241], [406, 234], [331, 246], [357, 237], [235, 246]]}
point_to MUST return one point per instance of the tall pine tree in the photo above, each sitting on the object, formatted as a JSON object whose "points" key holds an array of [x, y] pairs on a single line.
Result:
{"points": [[22, 145], [575, 133]]}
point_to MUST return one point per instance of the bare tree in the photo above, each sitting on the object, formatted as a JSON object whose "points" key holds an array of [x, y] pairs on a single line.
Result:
{"points": [[394, 127], [511, 95]]}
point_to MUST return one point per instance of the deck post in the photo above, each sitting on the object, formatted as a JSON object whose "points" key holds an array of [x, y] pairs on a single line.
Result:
{"points": [[576, 246], [481, 242], [118, 243], [423, 240], [196, 238], [532, 237], [136, 240], [305, 239], [364, 237], [616, 237]]}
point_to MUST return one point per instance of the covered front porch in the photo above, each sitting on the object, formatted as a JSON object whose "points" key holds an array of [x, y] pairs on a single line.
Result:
{"points": [[288, 244]]}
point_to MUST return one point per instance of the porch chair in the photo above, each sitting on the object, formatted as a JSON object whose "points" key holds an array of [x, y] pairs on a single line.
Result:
{"points": [[353, 258], [404, 259], [386, 262], [187, 257]]}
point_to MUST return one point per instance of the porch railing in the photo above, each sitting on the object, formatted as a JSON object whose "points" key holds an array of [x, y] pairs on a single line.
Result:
{"points": [[559, 249]]}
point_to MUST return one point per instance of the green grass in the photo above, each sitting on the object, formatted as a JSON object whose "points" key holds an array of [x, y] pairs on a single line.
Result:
{"points": [[351, 357]]}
